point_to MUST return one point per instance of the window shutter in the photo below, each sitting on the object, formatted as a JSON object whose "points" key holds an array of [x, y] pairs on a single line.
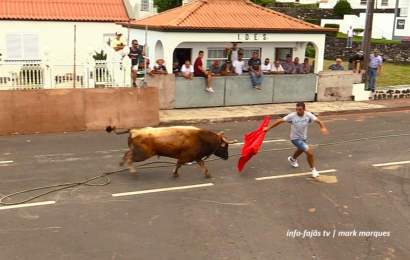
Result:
{"points": [[30, 43], [13, 46]]}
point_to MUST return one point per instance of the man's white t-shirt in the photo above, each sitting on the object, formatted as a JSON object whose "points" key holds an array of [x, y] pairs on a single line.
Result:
{"points": [[277, 69], [350, 33], [187, 71], [238, 65], [266, 68]]}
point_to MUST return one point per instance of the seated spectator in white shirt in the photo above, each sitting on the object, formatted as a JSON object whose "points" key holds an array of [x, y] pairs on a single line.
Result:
{"points": [[277, 69], [238, 65], [266, 67], [305, 66], [187, 70]]}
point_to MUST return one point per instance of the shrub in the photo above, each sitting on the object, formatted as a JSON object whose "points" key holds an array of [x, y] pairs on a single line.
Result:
{"points": [[332, 25], [310, 52], [358, 31], [309, 20], [342, 7]]}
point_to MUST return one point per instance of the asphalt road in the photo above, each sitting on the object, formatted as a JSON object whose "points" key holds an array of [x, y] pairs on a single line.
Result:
{"points": [[231, 216]]}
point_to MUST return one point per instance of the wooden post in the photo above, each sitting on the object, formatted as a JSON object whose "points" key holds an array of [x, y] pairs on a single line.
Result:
{"points": [[75, 53]]}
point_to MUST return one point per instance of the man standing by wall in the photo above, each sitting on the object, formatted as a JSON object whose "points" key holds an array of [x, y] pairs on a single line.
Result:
{"points": [[255, 70], [199, 71], [375, 67], [118, 44], [350, 37], [134, 55], [238, 65]]}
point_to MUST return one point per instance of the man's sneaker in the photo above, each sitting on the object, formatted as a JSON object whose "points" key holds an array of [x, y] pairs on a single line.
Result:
{"points": [[258, 88], [293, 162], [210, 90], [134, 85], [315, 174]]}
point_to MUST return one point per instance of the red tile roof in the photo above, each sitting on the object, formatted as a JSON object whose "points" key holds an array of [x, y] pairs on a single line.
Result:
{"points": [[226, 15], [63, 10]]}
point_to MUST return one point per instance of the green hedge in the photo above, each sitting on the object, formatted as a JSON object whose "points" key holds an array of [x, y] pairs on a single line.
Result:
{"points": [[309, 20], [310, 52], [342, 7], [358, 31], [332, 25]]}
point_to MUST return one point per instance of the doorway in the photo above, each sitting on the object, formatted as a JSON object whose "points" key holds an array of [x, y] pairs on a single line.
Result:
{"points": [[182, 54]]}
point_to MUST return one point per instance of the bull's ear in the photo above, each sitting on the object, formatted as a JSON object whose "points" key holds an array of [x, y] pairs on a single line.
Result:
{"points": [[223, 144]]}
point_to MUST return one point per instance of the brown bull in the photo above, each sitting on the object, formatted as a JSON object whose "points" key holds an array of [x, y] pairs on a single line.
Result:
{"points": [[187, 144]]}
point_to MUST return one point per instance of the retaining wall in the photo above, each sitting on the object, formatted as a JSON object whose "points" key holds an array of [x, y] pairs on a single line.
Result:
{"points": [[336, 85], [238, 90], [68, 110]]}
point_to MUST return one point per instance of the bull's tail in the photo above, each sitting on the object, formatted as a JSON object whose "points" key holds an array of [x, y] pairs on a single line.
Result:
{"points": [[109, 129]]}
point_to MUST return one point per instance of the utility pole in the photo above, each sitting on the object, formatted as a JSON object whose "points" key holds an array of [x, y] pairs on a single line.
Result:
{"points": [[368, 39], [396, 14], [364, 33]]}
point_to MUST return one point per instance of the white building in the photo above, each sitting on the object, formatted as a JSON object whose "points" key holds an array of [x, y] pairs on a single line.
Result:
{"points": [[27, 26], [143, 8], [214, 25]]}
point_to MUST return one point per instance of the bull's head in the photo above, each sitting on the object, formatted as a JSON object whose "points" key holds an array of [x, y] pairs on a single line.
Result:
{"points": [[222, 150]]}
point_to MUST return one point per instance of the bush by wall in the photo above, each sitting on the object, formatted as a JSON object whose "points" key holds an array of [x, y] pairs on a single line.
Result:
{"points": [[309, 20], [332, 25], [357, 31], [342, 7]]}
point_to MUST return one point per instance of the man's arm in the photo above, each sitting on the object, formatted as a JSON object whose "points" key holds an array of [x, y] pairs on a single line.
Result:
{"points": [[277, 122], [143, 50], [185, 76], [353, 66], [323, 131], [380, 70]]}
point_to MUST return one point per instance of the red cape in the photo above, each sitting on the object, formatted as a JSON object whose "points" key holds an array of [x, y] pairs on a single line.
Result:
{"points": [[252, 143]]}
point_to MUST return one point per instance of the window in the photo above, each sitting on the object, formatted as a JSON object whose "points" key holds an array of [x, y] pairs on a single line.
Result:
{"points": [[404, 12], [363, 2], [144, 5], [281, 53], [385, 2], [216, 55], [400, 24], [22, 46]]}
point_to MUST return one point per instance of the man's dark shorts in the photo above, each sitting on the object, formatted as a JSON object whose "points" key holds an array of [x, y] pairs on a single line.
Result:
{"points": [[203, 75]]}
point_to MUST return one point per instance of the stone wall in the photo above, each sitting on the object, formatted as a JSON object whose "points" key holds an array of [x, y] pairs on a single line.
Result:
{"points": [[317, 13], [391, 52]]}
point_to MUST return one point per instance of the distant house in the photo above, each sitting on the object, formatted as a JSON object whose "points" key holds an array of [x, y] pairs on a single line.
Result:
{"points": [[27, 26], [143, 8]]}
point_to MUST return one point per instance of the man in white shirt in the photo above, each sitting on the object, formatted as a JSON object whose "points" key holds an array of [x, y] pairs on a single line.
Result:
{"points": [[118, 44], [350, 38], [266, 67], [277, 69], [187, 71], [238, 65]]}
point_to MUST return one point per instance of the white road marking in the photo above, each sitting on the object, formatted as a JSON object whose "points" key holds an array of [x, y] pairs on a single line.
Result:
{"points": [[4, 162], [291, 175], [28, 205], [161, 190], [392, 163], [267, 141]]}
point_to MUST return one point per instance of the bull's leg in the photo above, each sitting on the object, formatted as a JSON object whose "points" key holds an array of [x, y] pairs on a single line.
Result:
{"points": [[175, 171], [204, 169], [124, 159]]}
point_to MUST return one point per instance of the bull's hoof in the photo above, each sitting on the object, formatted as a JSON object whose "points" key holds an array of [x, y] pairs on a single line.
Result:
{"points": [[208, 175], [133, 172], [121, 163], [176, 174]]}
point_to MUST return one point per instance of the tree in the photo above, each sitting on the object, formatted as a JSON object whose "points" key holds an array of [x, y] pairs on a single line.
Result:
{"points": [[164, 5], [342, 7]]}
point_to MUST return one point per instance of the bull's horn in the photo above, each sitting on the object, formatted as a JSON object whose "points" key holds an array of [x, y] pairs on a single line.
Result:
{"points": [[228, 142], [221, 132]]}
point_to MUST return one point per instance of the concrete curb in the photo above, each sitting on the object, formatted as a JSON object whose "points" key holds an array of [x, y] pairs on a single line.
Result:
{"points": [[273, 116]]}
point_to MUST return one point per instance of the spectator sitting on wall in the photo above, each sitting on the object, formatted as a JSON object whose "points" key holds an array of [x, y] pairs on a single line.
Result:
{"points": [[277, 68], [141, 72], [298, 69], [337, 66], [160, 69], [238, 65], [199, 71], [354, 60], [134, 55], [288, 65], [118, 44], [266, 67], [305, 67], [255, 70], [227, 69], [214, 69], [187, 70], [176, 69]]}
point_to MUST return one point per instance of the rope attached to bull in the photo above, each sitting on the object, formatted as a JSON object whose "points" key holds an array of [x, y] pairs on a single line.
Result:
{"points": [[169, 164]]}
